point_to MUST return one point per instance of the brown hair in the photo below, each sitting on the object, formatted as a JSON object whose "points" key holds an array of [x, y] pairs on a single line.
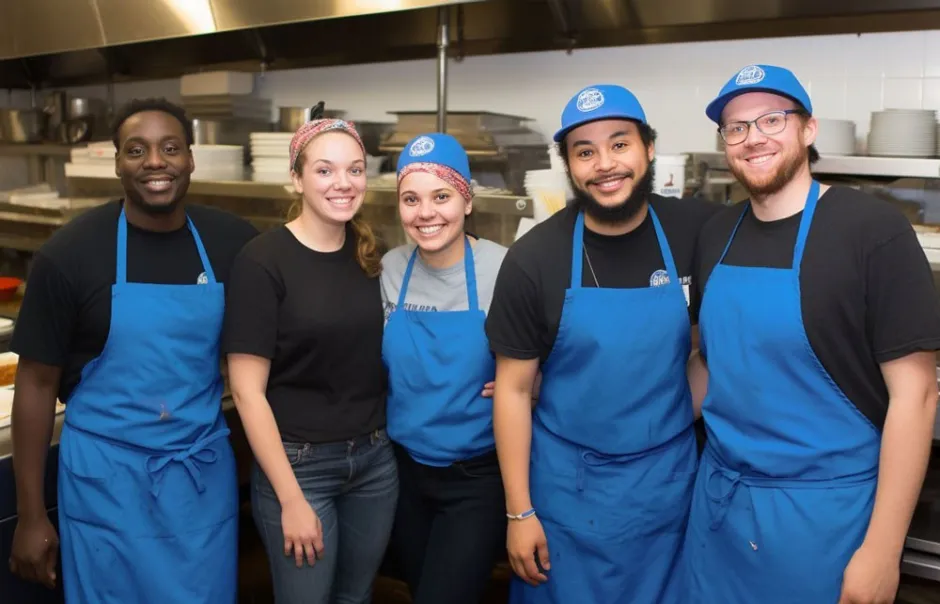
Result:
{"points": [[367, 247]]}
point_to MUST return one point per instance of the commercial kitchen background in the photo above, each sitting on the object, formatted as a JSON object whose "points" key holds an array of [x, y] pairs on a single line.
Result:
{"points": [[847, 76]]}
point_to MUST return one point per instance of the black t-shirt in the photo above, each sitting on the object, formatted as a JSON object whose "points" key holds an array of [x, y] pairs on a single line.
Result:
{"points": [[866, 287], [530, 290], [66, 312], [318, 318]]}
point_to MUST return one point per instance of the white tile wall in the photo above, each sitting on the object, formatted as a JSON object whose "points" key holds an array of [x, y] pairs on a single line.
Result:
{"points": [[848, 77]]}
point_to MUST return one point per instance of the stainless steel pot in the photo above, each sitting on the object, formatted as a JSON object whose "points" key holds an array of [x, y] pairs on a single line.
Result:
{"points": [[292, 118]]}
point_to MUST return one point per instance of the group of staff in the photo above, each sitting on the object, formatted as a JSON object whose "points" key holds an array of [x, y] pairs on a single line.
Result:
{"points": [[453, 401]]}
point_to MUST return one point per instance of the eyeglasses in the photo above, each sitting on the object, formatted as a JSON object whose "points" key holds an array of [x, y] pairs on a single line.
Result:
{"points": [[775, 122]]}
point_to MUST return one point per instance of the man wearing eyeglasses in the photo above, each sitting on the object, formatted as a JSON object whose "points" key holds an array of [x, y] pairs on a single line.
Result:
{"points": [[818, 321]]}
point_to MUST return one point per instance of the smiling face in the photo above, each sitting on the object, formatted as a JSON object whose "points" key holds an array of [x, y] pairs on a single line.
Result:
{"points": [[610, 168], [153, 161], [765, 163], [432, 212], [332, 177]]}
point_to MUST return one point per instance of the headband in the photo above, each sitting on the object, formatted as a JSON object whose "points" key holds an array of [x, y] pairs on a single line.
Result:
{"points": [[312, 129], [445, 173]]}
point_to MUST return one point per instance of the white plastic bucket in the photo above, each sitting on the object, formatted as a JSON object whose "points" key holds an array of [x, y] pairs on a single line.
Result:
{"points": [[670, 175]]}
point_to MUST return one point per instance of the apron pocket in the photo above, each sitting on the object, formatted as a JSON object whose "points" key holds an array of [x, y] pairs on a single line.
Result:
{"points": [[93, 487]]}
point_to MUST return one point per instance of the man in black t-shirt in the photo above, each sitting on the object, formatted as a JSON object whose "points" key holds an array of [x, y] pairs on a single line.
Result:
{"points": [[819, 321], [597, 298], [121, 322]]}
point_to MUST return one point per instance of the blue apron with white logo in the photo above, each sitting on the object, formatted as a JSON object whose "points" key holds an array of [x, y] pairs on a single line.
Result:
{"points": [[437, 365], [613, 447], [787, 482], [148, 502]]}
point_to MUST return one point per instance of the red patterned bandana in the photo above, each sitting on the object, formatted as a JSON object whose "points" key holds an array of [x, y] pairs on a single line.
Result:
{"points": [[308, 131], [445, 173]]}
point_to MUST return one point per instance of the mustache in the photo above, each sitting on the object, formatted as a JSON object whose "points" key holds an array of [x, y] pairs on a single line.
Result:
{"points": [[624, 175]]}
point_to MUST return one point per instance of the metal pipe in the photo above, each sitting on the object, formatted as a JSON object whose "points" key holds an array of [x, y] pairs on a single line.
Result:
{"points": [[443, 40]]}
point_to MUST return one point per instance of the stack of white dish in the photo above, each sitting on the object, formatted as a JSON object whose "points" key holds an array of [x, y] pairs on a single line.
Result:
{"points": [[903, 133], [270, 156], [218, 162], [835, 137]]}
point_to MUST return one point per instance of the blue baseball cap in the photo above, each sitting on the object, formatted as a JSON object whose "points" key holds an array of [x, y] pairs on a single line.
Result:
{"points": [[600, 102], [436, 148], [759, 78]]}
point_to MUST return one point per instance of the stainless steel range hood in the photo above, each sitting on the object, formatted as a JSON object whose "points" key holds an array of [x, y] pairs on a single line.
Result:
{"points": [[66, 42]]}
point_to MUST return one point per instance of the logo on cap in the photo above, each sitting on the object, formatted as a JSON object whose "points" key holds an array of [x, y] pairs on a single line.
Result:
{"points": [[422, 146], [590, 99], [752, 74]]}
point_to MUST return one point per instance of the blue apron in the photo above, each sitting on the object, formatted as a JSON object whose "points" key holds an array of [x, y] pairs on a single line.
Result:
{"points": [[613, 447], [437, 365], [148, 502], [787, 481]]}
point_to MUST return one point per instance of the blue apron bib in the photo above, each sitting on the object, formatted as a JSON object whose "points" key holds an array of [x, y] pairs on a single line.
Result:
{"points": [[787, 481], [148, 502], [437, 365], [613, 449]]}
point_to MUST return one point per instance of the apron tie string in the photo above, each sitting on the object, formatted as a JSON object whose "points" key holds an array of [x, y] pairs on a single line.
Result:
{"points": [[157, 464]]}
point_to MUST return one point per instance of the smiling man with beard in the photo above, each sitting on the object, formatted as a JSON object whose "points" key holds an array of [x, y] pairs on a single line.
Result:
{"points": [[121, 322], [598, 476], [819, 323]]}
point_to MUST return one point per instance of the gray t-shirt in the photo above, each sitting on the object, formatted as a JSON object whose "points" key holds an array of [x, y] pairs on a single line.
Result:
{"points": [[434, 289]]}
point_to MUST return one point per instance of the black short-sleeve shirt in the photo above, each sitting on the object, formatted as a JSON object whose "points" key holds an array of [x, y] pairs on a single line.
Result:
{"points": [[530, 289], [66, 312], [318, 318], [866, 287]]}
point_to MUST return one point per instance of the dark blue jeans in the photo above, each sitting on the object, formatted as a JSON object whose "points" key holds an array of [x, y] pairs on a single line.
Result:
{"points": [[353, 488]]}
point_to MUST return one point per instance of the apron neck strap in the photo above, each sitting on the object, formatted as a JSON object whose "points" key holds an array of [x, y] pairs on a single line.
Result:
{"points": [[473, 302], [577, 249], [121, 272], [812, 200]]}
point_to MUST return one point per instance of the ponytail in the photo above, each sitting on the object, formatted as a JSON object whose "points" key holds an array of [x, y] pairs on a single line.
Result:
{"points": [[367, 249]]}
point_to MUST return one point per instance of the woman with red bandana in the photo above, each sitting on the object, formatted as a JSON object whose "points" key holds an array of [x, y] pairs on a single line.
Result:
{"points": [[450, 525], [303, 335]]}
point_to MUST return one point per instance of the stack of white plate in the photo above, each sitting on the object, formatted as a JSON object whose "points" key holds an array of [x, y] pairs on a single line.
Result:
{"points": [[835, 137], [270, 156], [903, 133], [218, 162]]}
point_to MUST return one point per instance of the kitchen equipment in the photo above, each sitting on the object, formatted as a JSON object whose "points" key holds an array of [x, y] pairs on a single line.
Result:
{"points": [[226, 131], [501, 147], [22, 125], [55, 110], [292, 118], [227, 106]]}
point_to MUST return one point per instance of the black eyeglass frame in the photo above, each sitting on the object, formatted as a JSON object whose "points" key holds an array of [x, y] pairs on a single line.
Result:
{"points": [[748, 124]]}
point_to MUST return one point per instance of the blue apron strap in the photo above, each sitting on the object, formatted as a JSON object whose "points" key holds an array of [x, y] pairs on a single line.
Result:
{"points": [[471, 275], [664, 248], [808, 211], [734, 232], [407, 278], [577, 251], [206, 265], [121, 272], [120, 276]]}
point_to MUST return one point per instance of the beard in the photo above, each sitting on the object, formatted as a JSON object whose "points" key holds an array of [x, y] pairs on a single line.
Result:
{"points": [[623, 211], [765, 185]]}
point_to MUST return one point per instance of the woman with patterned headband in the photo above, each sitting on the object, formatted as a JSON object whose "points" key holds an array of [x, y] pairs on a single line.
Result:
{"points": [[303, 335], [450, 525]]}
